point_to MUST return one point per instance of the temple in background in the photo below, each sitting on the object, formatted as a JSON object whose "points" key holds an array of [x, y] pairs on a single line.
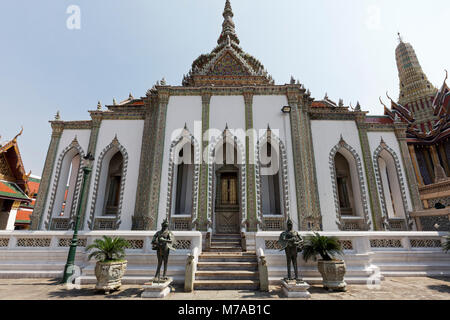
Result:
{"points": [[425, 110], [15, 190]]}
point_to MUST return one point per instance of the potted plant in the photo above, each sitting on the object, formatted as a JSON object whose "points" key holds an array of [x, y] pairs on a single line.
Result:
{"points": [[111, 265], [331, 269]]}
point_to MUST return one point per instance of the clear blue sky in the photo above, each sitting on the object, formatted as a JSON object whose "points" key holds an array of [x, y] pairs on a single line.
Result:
{"points": [[342, 47]]}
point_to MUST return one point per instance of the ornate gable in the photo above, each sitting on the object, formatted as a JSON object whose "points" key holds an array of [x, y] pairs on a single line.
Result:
{"points": [[227, 64]]}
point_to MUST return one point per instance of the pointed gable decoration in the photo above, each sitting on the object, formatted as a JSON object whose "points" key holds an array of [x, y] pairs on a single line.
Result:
{"points": [[227, 64]]}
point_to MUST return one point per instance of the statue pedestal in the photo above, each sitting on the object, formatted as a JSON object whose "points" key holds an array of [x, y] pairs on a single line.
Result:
{"points": [[155, 289], [295, 288]]}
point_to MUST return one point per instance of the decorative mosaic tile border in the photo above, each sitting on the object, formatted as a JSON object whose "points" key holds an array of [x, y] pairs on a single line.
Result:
{"points": [[284, 174], [116, 145], [211, 174], [185, 136], [73, 145], [376, 155], [343, 145]]}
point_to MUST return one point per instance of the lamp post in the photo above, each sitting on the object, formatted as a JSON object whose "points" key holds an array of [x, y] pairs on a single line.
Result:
{"points": [[86, 164], [286, 110]]}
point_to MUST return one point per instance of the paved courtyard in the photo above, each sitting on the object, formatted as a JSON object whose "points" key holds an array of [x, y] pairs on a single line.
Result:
{"points": [[417, 288]]}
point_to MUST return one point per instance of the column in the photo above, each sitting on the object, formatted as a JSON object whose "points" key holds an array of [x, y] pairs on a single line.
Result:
{"points": [[38, 212], [375, 208], [412, 154]]}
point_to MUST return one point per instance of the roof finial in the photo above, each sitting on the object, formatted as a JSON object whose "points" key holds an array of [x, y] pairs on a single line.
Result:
{"points": [[99, 105], [400, 39], [114, 101], [57, 116], [228, 25]]}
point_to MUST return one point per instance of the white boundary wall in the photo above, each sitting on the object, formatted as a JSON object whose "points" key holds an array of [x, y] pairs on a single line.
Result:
{"points": [[369, 256], [43, 254]]}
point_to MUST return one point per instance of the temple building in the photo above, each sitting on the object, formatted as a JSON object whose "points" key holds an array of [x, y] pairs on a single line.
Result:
{"points": [[14, 184], [229, 151], [425, 111]]}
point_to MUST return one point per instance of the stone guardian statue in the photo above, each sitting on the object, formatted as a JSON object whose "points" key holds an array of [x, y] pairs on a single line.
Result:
{"points": [[291, 242], [162, 242]]}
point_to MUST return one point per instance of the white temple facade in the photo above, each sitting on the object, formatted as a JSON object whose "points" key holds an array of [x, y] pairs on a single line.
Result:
{"points": [[228, 152]]}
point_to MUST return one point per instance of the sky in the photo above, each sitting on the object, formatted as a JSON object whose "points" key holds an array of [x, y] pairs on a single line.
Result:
{"points": [[345, 48]]}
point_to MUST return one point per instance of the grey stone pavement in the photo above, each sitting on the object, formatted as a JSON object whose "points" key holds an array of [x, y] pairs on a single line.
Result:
{"points": [[402, 288]]}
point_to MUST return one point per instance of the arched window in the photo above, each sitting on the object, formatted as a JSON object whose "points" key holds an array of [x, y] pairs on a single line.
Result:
{"points": [[109, 187], [348, 183], [270, 180], [115, 172], [344, 185], [65, 191], [184, 181], [390, 188]]}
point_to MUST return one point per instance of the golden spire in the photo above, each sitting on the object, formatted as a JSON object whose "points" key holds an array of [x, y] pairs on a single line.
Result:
{"points": [[414, 84]]}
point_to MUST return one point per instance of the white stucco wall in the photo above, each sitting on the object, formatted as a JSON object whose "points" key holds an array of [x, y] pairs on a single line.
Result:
{"points": [[66, 139], [391, 141], [181, 110], [267, 111], [326, 134], [129, 134]]}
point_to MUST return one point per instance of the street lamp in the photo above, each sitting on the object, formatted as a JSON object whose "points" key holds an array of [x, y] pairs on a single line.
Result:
{"points": [[86, 164]]}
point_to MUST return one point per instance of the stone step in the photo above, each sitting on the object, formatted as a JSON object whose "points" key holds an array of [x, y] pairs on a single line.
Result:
{"points": [[225, 242], [226, 237], [225, 249], [230, 254], [226, 285], [226, 275], [229, 258], [202, 265], [225, 245]]}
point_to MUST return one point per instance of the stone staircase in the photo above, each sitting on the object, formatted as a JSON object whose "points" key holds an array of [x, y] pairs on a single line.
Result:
{"points": [[226, 267]]}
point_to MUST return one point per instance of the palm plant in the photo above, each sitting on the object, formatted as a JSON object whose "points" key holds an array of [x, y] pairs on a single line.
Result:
{"points": [[108, 249], [446, 245], [326, 247]]}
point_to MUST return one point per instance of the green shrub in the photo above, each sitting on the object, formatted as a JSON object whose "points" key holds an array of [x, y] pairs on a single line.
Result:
{"points": [[326, 247], [108, 249]]}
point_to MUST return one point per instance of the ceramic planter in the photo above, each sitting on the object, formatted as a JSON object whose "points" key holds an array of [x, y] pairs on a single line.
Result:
{"points": [[109, 275], [333, 274]]}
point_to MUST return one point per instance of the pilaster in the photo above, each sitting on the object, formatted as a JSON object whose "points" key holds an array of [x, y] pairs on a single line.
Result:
{"points": [[140, 220], [250, 159], [93, 138], [44, 186], [202, 223], [298, 155], [400, 133], [314, 218], [375, 207], [157, 158]]}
